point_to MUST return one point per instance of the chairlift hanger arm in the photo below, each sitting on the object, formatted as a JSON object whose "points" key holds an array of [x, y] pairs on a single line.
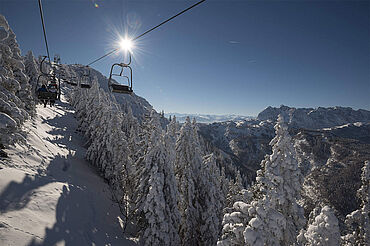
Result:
{"points": [[43, 28], [127, 64], [42, 61], [88, 71]]}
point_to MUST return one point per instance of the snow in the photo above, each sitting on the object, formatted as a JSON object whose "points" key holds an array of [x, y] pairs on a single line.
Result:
{"points": [[323, 230], [49, 195], [208, 118], [6, 122], [317, 118]]}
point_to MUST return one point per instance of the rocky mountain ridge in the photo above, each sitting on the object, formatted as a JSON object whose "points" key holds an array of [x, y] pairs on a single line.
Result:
{"points": [[316, 118]]}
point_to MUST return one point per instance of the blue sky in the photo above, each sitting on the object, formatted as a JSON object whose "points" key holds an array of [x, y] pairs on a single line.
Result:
{"points": [[222, 57]]}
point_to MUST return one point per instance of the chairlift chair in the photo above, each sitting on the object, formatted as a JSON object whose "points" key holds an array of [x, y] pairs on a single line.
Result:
{"points": [[120, 88], [72, 81], [46, 95], [86, 86], [85, 80], [55, 84], [53, 91]]}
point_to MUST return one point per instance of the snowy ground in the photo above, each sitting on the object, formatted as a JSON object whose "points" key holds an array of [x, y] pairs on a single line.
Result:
{"points": [[49, 195]]}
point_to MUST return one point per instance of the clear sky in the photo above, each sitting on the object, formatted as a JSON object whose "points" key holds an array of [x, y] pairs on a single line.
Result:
{"points": [[222, 57]]}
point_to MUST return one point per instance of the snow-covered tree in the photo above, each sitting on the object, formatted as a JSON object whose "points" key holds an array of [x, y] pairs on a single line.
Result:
{"points": [[236, 216], [147, 138], [211, 201], [18, 69], [273, 217], [234, 223], [358, 222], [15, 99], [173, 129], [156, 212], [32, 71], [118, 147], [188, 169], [235, 191], [281, 182], [322, 230], [161, 213], [201, 197]]}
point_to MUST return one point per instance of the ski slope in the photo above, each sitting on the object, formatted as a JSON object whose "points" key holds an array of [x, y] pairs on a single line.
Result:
{"points": [[49, 195]]}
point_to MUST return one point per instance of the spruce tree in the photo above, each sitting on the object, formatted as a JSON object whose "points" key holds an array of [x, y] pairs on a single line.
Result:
{"points": [[273, 217], [211, 201], [280, 182], [358, 222], [32, 71], [15, 99], [156, 204], [188, 169]]}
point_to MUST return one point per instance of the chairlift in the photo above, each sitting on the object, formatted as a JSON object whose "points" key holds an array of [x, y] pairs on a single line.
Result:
{"points": [[72, 81], [50, 80], [85, 79], [54, 86], [121, 88]]}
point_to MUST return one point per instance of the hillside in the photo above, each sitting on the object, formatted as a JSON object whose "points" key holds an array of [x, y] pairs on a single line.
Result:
{"points": [[49, 194]]}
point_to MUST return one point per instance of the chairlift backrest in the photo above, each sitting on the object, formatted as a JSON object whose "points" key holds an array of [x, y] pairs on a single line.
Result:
{"points": [[50, 78], [120, 88], [85, 79], [72, 81]]}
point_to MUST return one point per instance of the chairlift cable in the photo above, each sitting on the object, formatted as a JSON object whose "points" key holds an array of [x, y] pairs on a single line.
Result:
{"points": [[108, 54], [168, 19], [43, 28], [113, 51]]}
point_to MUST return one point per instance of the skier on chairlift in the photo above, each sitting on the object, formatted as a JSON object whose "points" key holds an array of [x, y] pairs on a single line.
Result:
{"points": [[53, 89], [43, 89]]}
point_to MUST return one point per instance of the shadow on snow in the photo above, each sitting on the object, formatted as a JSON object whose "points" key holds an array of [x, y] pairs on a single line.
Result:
{"points": [[82, 216]]}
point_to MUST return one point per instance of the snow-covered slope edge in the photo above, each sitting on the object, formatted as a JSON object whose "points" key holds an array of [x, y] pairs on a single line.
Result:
{"points": [[49, 195]]}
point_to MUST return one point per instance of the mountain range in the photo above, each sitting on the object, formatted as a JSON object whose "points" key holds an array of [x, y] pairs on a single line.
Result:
{"points": [[208, 118]]}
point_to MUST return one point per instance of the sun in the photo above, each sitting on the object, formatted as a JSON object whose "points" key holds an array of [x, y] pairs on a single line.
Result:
{"points": [[126, 44]]}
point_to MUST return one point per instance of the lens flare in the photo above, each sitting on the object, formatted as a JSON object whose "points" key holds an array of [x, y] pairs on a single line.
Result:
{"points": [[126, 44]]}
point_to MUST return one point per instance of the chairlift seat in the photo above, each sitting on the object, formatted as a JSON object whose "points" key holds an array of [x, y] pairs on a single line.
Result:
{"points": [[85, 86], [47, 95], [121, 89]]}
